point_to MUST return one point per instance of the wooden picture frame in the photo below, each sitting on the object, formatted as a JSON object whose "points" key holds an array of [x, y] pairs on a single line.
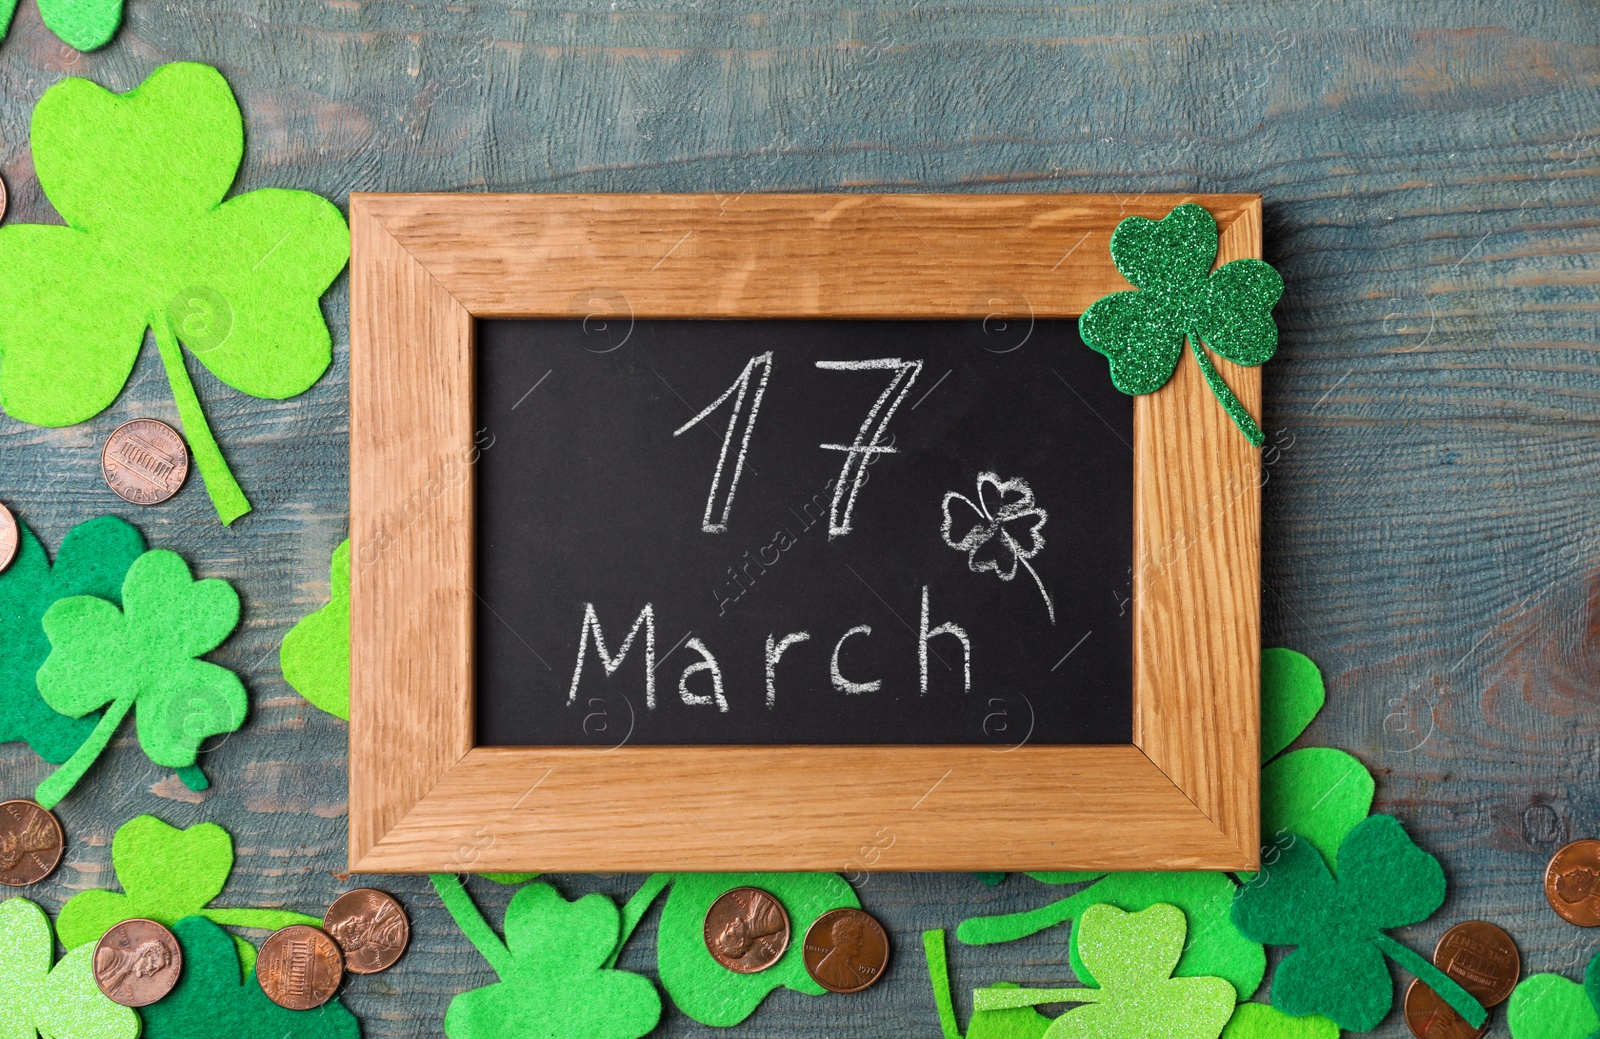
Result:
{"points": [[1184, 795]]}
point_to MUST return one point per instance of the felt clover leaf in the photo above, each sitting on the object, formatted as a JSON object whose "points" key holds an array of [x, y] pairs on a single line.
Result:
{"points": [[93, 560], [166, 874], [1133, 955], [1263, 1021], [554, 981], [60, 1001], [144, 654], [214, 997], [1179, 296], [150, 242], [316, 653], [703, 988], [81, 24], [1004, 512], [1548, 1006], [1337, 925]]}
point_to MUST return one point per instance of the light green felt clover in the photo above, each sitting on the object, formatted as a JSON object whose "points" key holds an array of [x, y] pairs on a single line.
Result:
{"points": [[1548, 1006], [1133, 955], [316, 653], [140, 179], [93, 560], [1337, 925], [1264, 1021], [554, 981], [167, 874], [1179, 296], [81, 24], [144, 654], [215, 997], [60, 1002]]}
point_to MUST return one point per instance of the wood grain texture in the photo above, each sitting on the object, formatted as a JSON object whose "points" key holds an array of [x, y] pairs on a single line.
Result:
{"points": [[423, 266], [1431, 177]]}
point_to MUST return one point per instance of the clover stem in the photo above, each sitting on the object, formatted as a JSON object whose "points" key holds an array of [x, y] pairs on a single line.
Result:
{"points": [[194, 778], [933, 948], [259, 919], [59, 783], [1231, 404], [1443, 985], [472, 924], [989, 930], [226, 494], [635, 908], [1011, 998]]}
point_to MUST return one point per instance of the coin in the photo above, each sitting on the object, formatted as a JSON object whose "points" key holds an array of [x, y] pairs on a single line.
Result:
{"points": [[1572, 883], [846, 950], [145, 461], [1482, 958], [8, 538], [3, 199], [746, 930], [1430, 1017], [299, 967], [137, 962], [370, 928], [31, 842]]}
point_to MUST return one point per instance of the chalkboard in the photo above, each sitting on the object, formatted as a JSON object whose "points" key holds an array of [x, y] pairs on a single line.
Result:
{"points": [[800, 532]]}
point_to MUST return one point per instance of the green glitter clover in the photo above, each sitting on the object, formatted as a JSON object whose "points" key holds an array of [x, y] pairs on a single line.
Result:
{"points": [[1178, 296]]}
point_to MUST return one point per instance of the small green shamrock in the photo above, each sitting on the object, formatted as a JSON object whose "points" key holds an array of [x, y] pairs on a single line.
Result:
{"points": [[1133, 956], [93, 560], [1337, 970], [1179, 296], [215, 997], [60, 1002], [554, 981], [144, 654], [315, 656], [1548, 1006], [167, 874], [81, 24], [140, 179]]}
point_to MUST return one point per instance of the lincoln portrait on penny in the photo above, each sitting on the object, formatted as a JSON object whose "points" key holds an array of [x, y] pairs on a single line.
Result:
{"points": [[839, 969]]}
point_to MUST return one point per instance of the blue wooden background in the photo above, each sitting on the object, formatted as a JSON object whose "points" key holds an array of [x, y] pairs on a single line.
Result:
{"points": [[1432, 184]]}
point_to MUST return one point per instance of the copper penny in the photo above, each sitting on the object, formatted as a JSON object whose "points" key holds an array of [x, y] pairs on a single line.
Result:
{"points": [[370, 928], [846, 950], [1482, 958], [137, 962], [4, 200], [299, 967], [31, 842], [145, 461], [746, 930], [1572, 883], [1430, 1017], [8, 537]]}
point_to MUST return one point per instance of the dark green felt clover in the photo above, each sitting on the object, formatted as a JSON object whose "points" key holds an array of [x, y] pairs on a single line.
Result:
{"points": [[212, 999], [93, 559], [1548, 1006], [552, 968], [1337, 925], [1178, 296]]}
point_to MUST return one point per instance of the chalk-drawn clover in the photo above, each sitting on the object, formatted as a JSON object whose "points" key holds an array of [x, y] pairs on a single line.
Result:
{"points": [[1003, 517]]}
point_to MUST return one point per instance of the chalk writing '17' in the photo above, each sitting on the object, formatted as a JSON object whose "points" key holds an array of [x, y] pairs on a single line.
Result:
{"points": [[869, 441]]}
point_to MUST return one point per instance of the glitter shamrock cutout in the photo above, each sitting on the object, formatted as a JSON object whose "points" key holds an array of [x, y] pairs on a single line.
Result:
{"points": [[1178, 297], [1004, 512]]}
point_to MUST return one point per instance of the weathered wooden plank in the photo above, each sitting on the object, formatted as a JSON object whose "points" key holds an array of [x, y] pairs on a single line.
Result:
{"points": [[1432, 184]]}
